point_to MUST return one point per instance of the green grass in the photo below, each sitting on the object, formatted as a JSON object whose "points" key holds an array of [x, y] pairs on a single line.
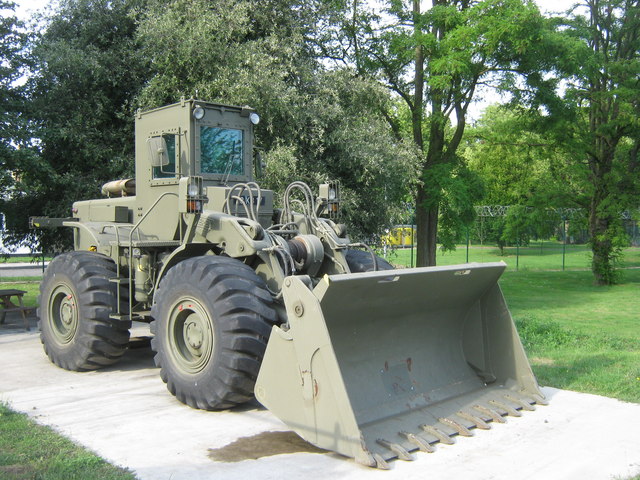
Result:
{"points": [[31, 286], [537, 256], [31, 451], [24, 259], [579, 336]]}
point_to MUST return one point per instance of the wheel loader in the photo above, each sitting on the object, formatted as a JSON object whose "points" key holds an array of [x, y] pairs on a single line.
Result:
{"points": [[244, 300]]}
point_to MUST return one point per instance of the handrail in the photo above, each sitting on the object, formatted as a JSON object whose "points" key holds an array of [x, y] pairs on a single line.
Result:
{"points": [[131, 293]]}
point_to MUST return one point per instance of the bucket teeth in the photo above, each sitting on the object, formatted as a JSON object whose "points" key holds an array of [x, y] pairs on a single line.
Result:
{"points": [[540, 400], [380, 462], [458, 427], [480, 423], [521, 403], [507, 408], [441, 436], [396, 448], [422, 444], [495, 416]]}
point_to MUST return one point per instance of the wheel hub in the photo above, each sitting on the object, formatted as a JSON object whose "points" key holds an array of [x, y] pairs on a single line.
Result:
{"points": [[190, 336], [66, 310], [63, 314], [193, 333]]}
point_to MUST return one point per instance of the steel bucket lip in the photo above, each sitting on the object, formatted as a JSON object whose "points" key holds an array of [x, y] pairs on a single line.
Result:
{"points": [[417, 270]]}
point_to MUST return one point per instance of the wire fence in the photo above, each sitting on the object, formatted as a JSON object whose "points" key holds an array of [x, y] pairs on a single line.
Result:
{"points": [[556, 244]]}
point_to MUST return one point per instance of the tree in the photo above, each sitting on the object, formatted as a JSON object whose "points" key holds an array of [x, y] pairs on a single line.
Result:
{"points": [[316, 124], [435, 61], [519, 163], [522, 166], [86, 74], [606, 132], [13, 63]]}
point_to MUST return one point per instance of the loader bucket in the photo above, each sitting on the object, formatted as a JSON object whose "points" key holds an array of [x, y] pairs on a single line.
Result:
{"points": [[377, 365]]}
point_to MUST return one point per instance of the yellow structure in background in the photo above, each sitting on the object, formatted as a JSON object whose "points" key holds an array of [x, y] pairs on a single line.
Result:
{"points": [[400, 236]]}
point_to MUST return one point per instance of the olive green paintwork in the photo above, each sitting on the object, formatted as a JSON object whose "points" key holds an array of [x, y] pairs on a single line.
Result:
{"points": [[62, 312], [151, 231], [380, 364], [371, 365]]}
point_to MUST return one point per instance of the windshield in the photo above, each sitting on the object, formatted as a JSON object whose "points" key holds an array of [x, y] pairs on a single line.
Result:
{"points": [[221, 151]]}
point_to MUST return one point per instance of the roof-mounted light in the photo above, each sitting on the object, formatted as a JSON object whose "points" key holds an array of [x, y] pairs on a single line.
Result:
{"points": [[254, 118], [198, 112]]}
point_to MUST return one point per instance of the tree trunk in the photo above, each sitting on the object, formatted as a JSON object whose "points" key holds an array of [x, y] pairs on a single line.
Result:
{"points": [[602, 248], [425, 226], [426, 231]]}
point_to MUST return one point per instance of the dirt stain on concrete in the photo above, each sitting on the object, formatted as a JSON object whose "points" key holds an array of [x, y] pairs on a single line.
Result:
{"points": [[264, 444]]}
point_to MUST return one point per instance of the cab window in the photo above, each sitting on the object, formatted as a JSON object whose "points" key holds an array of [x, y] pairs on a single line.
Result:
{"points": [[221, 151], [168, 170]]}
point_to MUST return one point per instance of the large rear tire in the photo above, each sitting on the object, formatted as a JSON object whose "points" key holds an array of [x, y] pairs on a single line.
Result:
{"points": [[361, 261], [76, 299], [212, 320]]}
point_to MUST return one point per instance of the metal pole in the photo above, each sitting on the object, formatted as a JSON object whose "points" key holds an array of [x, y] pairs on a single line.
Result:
{"points": [[468, 244], [564, 241], [517, 251], [412, 244]]}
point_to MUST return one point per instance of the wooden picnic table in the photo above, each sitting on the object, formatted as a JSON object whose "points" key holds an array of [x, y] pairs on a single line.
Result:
{"points": [[6, 305]]}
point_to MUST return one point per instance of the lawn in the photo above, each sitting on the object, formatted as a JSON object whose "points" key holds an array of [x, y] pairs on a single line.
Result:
{"points": [[29, 284], [31, 451], [536, 256], [23, 259], [579, 336]]}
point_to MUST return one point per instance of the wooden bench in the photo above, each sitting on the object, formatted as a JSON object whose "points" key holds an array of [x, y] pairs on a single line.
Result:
{"points": [[6, 305]]}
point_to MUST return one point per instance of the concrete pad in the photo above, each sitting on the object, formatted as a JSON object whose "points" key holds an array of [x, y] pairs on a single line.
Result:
{"points": [[126, 415]]}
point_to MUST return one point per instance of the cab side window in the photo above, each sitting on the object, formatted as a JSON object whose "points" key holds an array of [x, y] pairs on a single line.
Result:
{"points": [[167, 168]]}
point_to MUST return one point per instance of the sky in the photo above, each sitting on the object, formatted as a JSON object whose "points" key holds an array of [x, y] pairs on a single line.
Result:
{"points": [[26, 7]]}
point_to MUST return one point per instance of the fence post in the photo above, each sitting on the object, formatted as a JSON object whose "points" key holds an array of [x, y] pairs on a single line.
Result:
{"points": [[412, 245], [517, 250], [564, 241], [468, 241]]}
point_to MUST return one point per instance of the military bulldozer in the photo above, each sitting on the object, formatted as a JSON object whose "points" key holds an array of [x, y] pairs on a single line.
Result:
{"points": [[245, 299]]}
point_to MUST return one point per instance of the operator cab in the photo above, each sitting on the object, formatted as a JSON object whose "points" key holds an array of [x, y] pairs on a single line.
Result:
{"points": [[206, 144], [216, 143]]}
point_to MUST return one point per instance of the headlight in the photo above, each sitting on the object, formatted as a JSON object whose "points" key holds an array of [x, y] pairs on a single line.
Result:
{"points": [[332, 194], [255, 118], [198, 112], [192, 190], [191, 194]]}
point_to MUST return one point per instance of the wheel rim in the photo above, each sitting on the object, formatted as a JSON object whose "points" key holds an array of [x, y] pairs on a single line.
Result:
{"points": [[63, 314], [190, 336]]}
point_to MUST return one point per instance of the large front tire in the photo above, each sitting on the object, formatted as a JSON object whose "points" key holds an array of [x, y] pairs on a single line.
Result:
{"points": [[76, 300], [212, 320]]}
